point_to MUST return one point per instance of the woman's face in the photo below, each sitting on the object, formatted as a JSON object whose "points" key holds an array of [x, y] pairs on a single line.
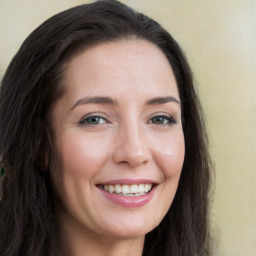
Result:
{"points": [[119, 140]]}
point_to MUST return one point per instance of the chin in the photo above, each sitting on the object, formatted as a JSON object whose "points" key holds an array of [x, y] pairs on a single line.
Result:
{"points": [[130, 229]]}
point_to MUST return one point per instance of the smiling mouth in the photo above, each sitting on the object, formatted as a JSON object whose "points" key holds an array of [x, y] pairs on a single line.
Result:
{"points": [[128, 190]]}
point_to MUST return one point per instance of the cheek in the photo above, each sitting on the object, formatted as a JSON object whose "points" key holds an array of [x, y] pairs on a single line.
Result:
{"points": [[169, 157], [169, 154], [80, 158], [82, 155]]}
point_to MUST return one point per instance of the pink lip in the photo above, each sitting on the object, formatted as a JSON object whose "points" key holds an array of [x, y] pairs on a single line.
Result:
{"points": [[128, 201]]}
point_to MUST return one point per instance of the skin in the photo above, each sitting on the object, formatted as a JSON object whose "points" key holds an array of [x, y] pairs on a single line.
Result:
{"points": [[128, 142]]}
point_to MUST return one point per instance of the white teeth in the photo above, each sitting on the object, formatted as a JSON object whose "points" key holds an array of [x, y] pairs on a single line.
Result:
{"points": [[148, 187], [128, 190], [118, 188], [111, 189], [141, 188], [133, 189], [125, 189]]}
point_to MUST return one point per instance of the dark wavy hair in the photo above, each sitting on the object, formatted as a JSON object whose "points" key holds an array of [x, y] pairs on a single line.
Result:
{"points": [[29, 89]]}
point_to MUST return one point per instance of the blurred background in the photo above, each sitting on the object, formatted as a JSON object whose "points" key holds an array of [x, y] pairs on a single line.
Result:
{"points": [[219, 39]]}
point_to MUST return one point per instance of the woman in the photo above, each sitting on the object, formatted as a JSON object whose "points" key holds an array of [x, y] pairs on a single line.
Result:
{"points": [[102, 140]]}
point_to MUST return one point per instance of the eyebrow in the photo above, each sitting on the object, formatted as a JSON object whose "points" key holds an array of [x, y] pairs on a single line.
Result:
{"points": [[113, 102], [162, 100], [95, 100]]}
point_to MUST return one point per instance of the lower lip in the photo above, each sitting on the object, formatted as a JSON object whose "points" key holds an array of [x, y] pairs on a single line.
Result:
{"points": [[129, 201]]}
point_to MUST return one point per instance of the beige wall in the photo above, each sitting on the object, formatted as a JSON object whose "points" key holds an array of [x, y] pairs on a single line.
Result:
{"points": [[219, 38]]}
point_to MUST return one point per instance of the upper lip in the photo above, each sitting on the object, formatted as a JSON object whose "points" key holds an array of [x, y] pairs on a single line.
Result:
{"points": [[128, 181]]}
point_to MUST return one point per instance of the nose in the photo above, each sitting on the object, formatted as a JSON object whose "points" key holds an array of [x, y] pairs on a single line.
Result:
{"points": [[132, 147]]}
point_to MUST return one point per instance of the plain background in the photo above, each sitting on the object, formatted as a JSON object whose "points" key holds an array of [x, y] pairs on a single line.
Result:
{"points": [[219, 39]]}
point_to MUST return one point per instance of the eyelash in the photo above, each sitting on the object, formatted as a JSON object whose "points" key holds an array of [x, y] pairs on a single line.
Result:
{"points": [[84, 120], [168, 119]]}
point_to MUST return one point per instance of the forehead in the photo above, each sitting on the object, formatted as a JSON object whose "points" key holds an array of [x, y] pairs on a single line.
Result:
{"points": [[137, 65]]}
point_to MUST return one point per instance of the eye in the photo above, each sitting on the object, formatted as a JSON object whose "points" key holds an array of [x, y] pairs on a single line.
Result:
{"points": [[162, 120], [93, 120]]}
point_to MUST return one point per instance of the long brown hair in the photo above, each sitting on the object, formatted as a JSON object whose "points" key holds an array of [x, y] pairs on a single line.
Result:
{"points": [[28, 92]]}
